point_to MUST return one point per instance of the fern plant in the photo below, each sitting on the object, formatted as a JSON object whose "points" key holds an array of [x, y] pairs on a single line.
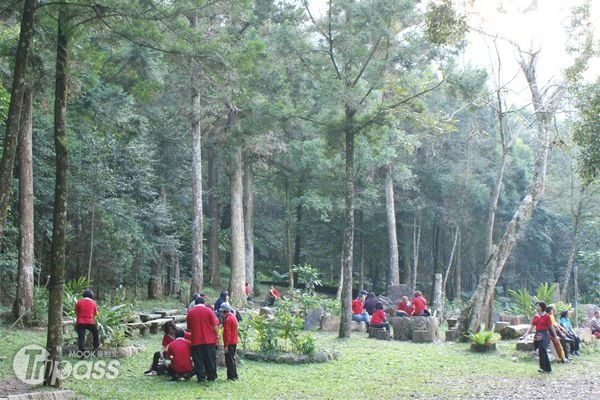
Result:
{"points": [[482, 337], [524, 305]]}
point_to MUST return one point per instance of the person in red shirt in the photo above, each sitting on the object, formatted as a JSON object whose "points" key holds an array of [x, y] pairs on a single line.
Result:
{"points": [[230, 339], [180, 353], [248, 291], [86, 310], [272, 296], [378, 319], [203, 325], [158, 368], [358, 310], [405, 309], [420, 304], [542, 324]]}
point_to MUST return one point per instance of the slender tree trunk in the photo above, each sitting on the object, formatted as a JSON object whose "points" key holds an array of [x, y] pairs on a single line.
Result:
{"points": [[451, 259], [458, 272], [438, 300], [565, 283], [416, 247], [348, 250], [298, 237], [198, 234], [91, 255], [155, 284], [394, 272], [14, 110], [475, 313], [338, 294], [238, 267], [288, 233], [176, 275], [361, 271], [249, 220], [214, 210], [54, 338], [23, 305]]}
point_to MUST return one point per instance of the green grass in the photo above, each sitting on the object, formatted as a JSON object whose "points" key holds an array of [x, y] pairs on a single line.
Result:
{"points": [[368, 368]]}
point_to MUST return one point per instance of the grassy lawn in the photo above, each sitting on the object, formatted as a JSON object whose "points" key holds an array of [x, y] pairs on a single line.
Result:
{"points": [[368, 368]]}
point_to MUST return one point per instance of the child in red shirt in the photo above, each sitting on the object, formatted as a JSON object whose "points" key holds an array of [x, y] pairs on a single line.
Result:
{"points": [[378, 319], [230, 339], [180, 353]]}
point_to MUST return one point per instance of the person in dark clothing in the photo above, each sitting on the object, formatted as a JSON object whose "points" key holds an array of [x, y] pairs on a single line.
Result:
{"points": [[86, 310], [574, 340], [158, 367], [370, 303], [223, 298]]}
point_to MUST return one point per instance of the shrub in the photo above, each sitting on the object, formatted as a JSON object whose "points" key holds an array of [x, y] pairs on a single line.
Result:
{"points": [[482, 337], [266, 333], [305, 344]]}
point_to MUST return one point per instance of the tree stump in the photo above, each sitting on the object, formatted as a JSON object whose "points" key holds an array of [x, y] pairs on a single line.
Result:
{"points": [[451, 335], [498, 326], [451, 322], [379, 333], [514, 331], [422, 336], [525, 345]]}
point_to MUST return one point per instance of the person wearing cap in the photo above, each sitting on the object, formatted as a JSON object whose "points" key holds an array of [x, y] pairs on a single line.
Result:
{"points": [[204, 327], [179, 352], [86, 310], [230, 340]]}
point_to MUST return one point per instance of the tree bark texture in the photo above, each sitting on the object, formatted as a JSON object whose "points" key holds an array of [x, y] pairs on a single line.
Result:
{"points": [[564, 293], [450, 260], [288, 233], [197, 230], [23, 305], [238, 265], [438, 302], [214, 215], [249, 220], [394, 272], [476, 309], [57, 264], [14, 110], [458, 272], [348, 249], [298, 236], [416, 248]]}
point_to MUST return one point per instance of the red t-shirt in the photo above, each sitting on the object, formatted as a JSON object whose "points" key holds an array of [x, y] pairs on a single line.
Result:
{"points": [[180, 352], [420, 304], [230, 330], [86, 309], [275, 293], [201, 321], [407, 308], [357, 307], [541, 322], [378, 317], [247, 290]]}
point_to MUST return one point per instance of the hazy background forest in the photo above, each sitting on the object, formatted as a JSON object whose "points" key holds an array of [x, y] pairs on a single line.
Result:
{"points": [[273, 89]]}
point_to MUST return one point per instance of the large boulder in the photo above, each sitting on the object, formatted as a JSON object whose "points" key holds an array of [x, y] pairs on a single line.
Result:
{"points": [[404, 327], [330, 323], [313, 319], [267, 312], [585, 334], [395, 293]]}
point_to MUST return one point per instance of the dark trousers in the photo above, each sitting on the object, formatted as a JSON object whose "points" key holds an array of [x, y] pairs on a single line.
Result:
{"points": [[385, 325], [574, 342], [230, 362], [176, 375], [204, 357], [543, 350], [81, 328]]}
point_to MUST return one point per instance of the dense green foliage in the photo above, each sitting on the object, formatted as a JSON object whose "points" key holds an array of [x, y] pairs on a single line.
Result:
{"points": [[267, 88]]}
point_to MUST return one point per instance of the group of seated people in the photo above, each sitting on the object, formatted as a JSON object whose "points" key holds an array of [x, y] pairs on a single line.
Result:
{"points": [[184, 354], [366, 308]]}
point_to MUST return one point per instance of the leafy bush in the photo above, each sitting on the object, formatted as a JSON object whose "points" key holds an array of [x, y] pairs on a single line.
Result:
{"points": [[309, 276], [244, 333], [525, 302], [266, 333], [288, 326], [305, 344], [482, 337]]}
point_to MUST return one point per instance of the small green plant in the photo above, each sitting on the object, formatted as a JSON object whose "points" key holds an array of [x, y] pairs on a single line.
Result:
{"points": [[288, 327], [244, 333], [524, 304], [266, 333], [544, 293], [482, 337], [305, 344]]}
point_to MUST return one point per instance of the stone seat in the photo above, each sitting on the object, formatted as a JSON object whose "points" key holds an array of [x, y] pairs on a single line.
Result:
{"points": [[379, 333]]}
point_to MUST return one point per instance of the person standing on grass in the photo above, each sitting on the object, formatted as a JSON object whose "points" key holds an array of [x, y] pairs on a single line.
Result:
{"points": [[230, 340], [180, 354], [204, 327], [542, 324], [86, 310], [555, 339]]}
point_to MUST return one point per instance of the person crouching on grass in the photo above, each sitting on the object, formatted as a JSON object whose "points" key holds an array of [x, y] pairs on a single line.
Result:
{"points": [[230, 339], [180, 354], [543, 325]]}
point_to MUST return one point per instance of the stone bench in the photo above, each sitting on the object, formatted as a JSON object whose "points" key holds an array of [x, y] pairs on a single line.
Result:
{"points": [[165, 313], [142, 326], [157, 324], [405, 327], [149, 317], [379, 333]]}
